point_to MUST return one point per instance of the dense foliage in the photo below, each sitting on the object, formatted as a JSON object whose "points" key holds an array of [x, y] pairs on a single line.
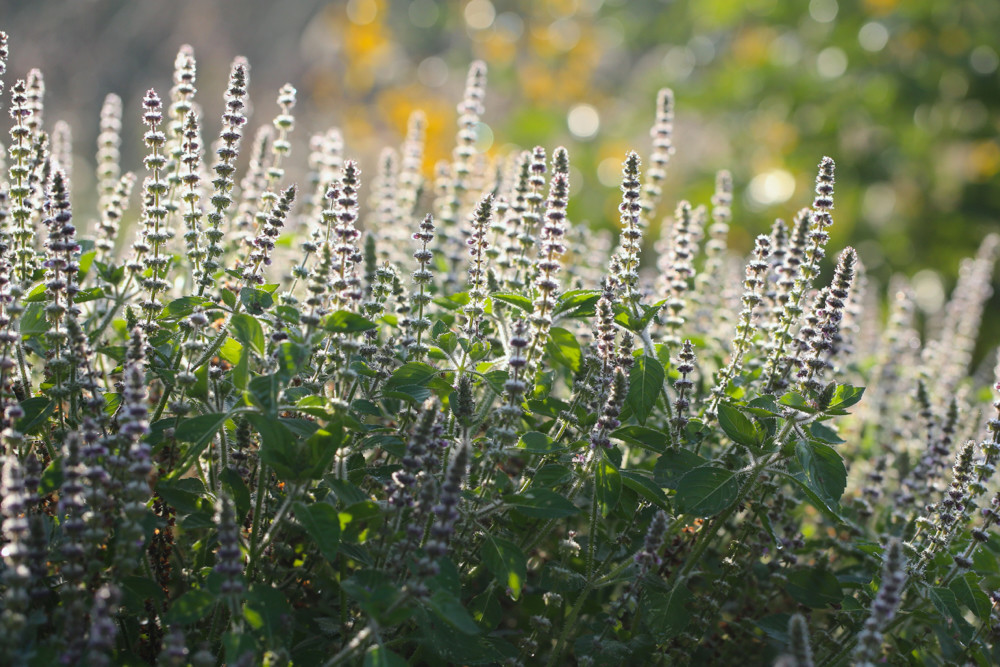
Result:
{"points": [[459, 429]]}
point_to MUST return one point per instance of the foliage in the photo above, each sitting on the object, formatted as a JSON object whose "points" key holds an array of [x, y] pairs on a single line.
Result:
{"points": [[279, 430]]}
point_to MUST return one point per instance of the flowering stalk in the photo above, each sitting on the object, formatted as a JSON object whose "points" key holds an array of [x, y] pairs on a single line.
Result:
{"points": [[233, 121], [150, 251], [776, 365], [746, 328], [478, 243], [625, 268], [663, 148], [422, 277], [884, 606], [677, 271]]}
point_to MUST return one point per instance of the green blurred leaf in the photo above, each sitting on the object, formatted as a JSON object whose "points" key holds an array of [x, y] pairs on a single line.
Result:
{"points": [[344, 321], [645, 384]]}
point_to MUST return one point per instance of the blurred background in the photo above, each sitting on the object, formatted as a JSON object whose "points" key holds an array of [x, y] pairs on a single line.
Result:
{"points": [[903, 94]]}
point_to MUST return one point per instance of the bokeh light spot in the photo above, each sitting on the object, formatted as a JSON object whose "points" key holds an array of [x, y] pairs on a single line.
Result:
{"points": [[928, 291], [583, 121], [772, 187], [479, 14], [984, 60], [484, 137], [831, 62], [609, 172], [873, 36], [362, 12], [823, 11]]}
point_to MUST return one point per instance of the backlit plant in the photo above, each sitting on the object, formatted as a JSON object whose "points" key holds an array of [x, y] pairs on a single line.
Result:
{"points": [[413, 420]]}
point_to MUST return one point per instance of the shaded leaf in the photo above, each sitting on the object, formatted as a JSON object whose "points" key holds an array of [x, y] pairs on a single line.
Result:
{"points": [[706, 491]]}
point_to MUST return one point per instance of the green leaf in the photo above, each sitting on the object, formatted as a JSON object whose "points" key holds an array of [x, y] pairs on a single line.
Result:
{"points": [[379, 656], [344, 321], [247, 330], [645, 383], [664, 608], [577, 303], [608, 485], [186, 495], [967, 590], [241, 371], [230, 351], [647, 438], [824, 469], [814, 587], [448, 608], [645, 487], [190, 607], [36, 414], [238, 491], [322, 522], [946, 603], [542, 504], [797, 401], [507, 563], [739, 428], [845, 396], [813, 497], [673, 464], [824, 433], [255, 300], [296, 458], [200, 430], [522, 302], [183, 307], [539, 443], [272, 609], [563, 348], [411, 373], [706, 491], [33, 320]]}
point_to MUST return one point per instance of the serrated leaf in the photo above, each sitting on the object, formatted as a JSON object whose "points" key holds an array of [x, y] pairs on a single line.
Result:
{"points": [[608, 485], [190, 607], [673, 464], [647, 438], [542, 504], [344, 321], [321, 520], [664, 608], [411, 373], [824, 469], [563, 348], [645, 384], [967, 590], [255, 300], [522, 302], [247, 330], [845, 396], [539, 443], [814, 587], [200, 430], [577, 303], [706, 491], [449, 609], [507, 563], [738, 427]]}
